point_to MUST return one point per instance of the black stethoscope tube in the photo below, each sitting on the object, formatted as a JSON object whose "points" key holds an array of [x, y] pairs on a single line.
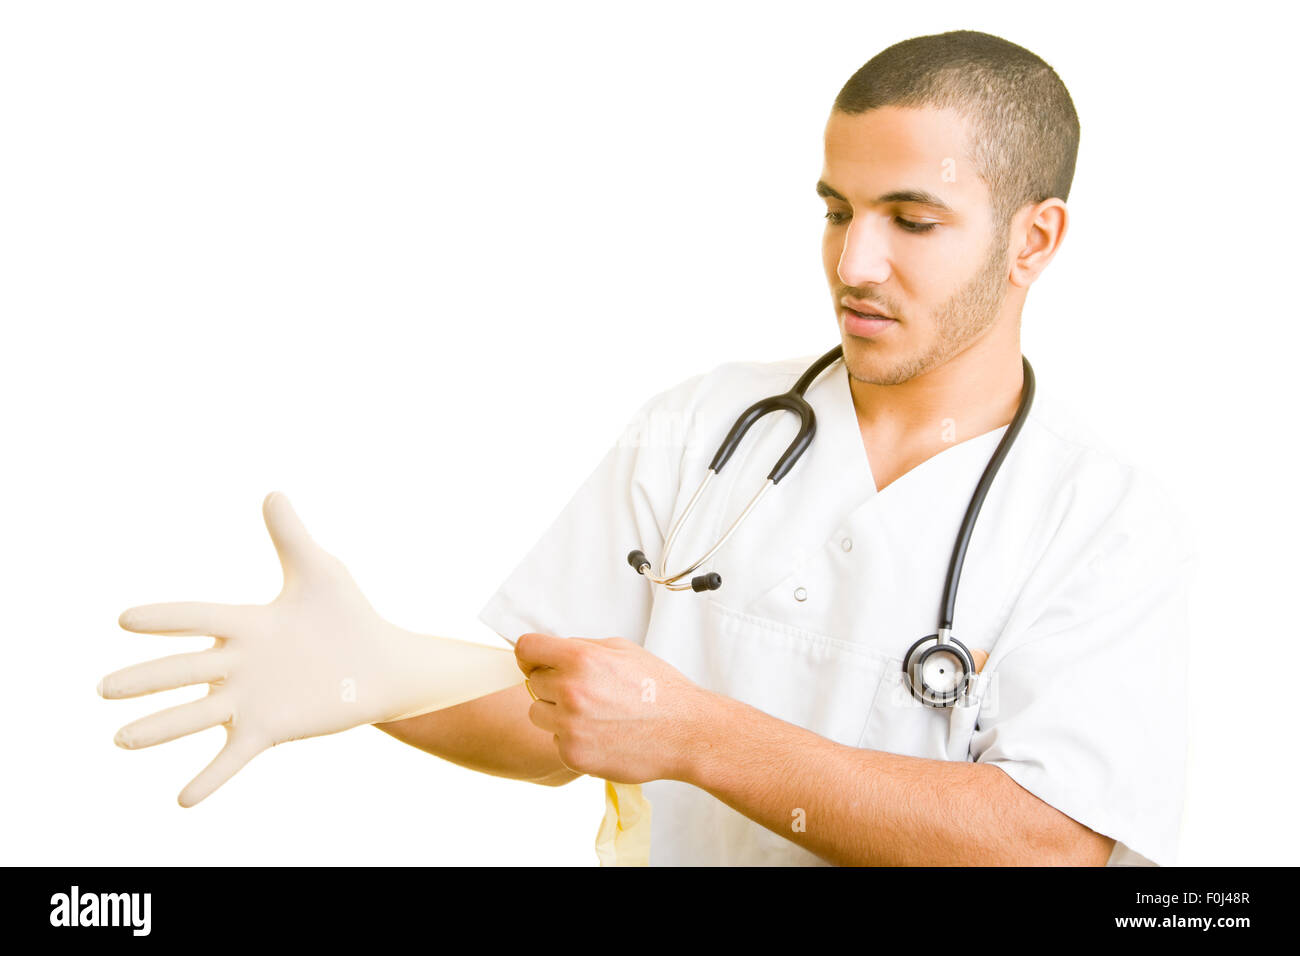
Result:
{"points": [[793, 401], [981, 490], [952, 653]]}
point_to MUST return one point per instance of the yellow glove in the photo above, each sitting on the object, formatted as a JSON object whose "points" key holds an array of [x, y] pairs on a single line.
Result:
{"points": [[317, 660], [624, 836]]}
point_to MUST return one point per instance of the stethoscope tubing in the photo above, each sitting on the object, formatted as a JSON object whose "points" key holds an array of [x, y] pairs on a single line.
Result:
{"points": [[793, 400], [977, 499]]}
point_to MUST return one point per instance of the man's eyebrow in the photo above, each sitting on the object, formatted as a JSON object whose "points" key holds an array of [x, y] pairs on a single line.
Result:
{"points": [[917, 197]]}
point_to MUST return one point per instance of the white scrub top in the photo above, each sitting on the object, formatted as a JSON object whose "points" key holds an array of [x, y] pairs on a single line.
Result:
{"points": [[1076, 582]]}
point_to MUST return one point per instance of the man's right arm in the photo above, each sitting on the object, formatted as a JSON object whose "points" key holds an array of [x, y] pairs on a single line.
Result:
{"points": [[491, 734]]}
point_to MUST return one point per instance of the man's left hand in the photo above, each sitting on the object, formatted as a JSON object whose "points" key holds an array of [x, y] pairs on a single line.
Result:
{"points": [[616, 710]]}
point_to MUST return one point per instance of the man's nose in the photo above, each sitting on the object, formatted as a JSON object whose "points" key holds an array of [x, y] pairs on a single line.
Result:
{"points": [[864, 260]]}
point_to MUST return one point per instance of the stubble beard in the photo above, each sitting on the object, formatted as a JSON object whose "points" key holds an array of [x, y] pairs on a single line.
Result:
{"points": [[957, 323]]}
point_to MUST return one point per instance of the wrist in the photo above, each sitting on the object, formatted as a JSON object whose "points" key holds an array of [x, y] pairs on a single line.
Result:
{"points": [[701, 737]]}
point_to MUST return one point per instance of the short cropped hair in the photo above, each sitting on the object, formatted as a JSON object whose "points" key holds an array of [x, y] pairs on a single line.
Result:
{"points": [[1024, 133]]}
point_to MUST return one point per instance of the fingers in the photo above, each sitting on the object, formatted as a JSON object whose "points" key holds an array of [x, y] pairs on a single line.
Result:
{"points": [[166, 673], [186, 618], [239, 749], [292, 542], [541, 680], [543, 715], [174, 722], [543, 650]]}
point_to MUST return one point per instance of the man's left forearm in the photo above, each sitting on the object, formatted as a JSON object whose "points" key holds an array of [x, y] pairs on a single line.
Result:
{"points": [[852, 806]]}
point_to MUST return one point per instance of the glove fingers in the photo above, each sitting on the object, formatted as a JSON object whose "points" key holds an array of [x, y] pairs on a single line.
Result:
{"points": [[174, 722], [166, 673], [186, 618], [239, 750]]}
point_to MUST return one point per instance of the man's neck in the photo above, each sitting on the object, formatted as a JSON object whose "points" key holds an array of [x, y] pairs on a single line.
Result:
{"points": [[972, 393]]}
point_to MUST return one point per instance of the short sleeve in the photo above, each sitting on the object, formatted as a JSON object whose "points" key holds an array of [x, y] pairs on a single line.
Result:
{"points": [[1087, 706], [575, 581]]}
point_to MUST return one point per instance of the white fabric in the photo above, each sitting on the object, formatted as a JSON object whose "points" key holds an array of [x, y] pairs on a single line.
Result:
{"points": [[1076, 583]]}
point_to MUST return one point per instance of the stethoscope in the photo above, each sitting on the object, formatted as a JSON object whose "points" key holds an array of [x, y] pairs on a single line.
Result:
{"points": [[938, 667]]}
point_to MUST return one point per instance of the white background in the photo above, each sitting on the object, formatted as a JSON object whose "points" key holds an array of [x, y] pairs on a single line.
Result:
{"points": [[416, 264]]}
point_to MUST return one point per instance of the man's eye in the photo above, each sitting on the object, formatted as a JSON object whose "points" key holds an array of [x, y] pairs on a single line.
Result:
{"points": [[908, 226]]}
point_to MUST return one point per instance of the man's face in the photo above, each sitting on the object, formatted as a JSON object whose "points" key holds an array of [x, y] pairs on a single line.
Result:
{"points": [[938, 272]]}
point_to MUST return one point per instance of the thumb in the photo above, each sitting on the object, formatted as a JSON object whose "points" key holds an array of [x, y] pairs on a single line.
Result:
{"points": [[292, 542], [239, 750], [980, 658]]}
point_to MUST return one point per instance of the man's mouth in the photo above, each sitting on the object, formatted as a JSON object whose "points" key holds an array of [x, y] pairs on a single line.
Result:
{"points": [[866, 324], [864, 309]]}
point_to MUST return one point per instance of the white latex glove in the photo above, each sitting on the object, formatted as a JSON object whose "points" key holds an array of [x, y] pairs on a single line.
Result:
{"points": [[315, 661]]}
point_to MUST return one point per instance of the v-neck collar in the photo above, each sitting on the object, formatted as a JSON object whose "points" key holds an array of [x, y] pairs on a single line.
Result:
{"points": [[830, 496], [845, 434]]}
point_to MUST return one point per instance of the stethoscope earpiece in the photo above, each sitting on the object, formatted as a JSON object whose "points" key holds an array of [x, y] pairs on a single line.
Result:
{"points": [[937, 669], [701, 582], [706, 582]]}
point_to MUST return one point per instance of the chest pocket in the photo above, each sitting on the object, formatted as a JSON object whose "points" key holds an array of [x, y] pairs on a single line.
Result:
{"points": [[901, 724], [822, 683]]}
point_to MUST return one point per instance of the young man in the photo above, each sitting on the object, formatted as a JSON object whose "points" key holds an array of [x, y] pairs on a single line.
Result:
{"points": [[770, 721]]}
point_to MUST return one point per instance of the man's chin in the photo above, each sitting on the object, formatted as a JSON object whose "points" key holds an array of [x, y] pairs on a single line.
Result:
{"points": [[874, 366]]}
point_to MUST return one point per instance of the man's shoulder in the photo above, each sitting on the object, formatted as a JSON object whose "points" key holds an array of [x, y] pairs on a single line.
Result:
{"points": [[768, 375], [729, 386], [701, 407], [1059, 423], [1092, 480]]}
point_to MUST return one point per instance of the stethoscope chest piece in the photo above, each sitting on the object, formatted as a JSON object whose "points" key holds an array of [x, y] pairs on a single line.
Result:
{"points": [[938, 669]]}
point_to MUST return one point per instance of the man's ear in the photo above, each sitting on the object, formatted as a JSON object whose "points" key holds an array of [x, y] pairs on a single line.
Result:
{"points": [[1036, 235]]}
